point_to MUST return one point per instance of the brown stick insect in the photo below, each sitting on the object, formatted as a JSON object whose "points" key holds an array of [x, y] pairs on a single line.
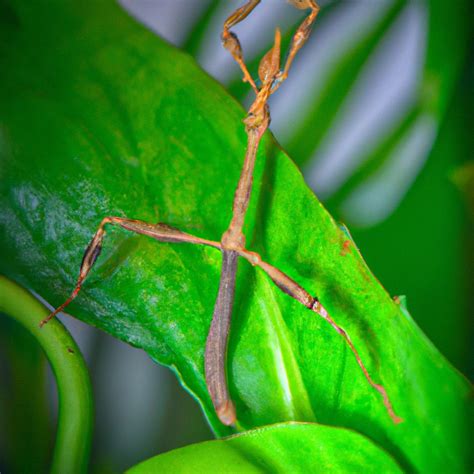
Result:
{"points": [[232, 243]]}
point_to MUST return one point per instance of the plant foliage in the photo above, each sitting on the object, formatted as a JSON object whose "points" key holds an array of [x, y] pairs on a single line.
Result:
{"points": [[100, 117]]}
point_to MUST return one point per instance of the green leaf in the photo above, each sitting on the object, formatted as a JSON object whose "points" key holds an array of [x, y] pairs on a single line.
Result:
{"points": [[100, 117], [398, 248], [435, 91], [448, 30], [424, 256], [376, 159], [323, 112], [463, 177], [290, 447]]}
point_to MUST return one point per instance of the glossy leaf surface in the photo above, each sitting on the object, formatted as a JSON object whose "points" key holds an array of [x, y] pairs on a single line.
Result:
{"points": [[100, 117], [404, 249], [291, 447]]}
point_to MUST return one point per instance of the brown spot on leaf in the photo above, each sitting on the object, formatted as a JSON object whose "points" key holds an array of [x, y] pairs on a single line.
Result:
{"points": [[345, 247]]}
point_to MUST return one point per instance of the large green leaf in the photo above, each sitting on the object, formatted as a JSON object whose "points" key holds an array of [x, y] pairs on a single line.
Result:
{"points": [[408, 243], [100, 117], [399, 245], [290, 447]]}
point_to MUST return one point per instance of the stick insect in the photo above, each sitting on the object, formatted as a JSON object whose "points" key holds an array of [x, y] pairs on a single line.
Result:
{"points": [[232, 243]]}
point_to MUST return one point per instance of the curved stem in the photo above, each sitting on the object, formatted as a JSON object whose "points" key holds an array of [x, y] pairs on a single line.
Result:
{"points": [[75, 411]]}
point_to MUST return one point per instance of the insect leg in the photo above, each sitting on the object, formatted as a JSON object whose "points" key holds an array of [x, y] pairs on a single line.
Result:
{"points": [[160, 232], [232, 43], [293, 289], [300, 37]]}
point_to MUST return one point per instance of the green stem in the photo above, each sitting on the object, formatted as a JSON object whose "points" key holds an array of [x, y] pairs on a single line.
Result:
{"points": [[75, 412]]}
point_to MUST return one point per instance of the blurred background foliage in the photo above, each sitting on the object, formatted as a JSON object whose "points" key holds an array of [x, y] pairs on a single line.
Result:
{"points": [[378, 114]]}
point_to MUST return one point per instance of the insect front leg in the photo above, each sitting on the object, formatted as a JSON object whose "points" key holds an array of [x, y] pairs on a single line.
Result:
{"points": [[232, 43], [300, 37]]}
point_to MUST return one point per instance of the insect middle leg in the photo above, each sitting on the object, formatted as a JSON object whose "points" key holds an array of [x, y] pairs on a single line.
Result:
{"points": [[160, 232]]}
